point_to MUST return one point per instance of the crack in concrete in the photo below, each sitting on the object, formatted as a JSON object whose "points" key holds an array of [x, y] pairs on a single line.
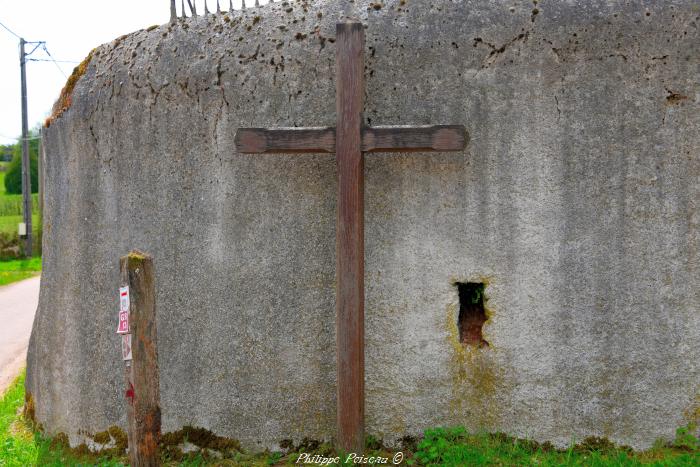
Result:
{"points": [[496, 51]]}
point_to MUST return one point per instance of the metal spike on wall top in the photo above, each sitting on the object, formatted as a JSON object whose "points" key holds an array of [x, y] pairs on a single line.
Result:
{"points": [[257, 2], [183, 9], [193, 7], [206, 9], [218, 8], [173, 12], [230, 5], [242, 4]]}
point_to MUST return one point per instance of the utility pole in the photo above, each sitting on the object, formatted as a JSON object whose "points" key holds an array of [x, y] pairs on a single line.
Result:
{"points": [[40, 170], [26, 172]]}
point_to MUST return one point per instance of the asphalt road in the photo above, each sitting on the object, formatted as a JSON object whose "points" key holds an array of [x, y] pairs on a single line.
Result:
{"points": [[18, 304]]}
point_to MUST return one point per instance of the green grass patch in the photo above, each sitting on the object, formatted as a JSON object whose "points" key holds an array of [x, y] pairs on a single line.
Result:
{"points": [[11, 246], [455, 446], [17, 446], [8, 224], [20, 269], [21, 445], [11, 205]]}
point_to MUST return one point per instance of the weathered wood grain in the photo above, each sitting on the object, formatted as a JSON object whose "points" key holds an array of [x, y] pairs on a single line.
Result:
{"points": [[374, 139], [141, 373], [414, 138], [350, 249], [285, 140]]}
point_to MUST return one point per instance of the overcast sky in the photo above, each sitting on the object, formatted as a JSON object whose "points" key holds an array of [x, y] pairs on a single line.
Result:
{"points": [[71, 28]]}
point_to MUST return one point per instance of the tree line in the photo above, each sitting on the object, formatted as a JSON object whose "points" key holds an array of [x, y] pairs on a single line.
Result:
{"points": [[13, 174]]}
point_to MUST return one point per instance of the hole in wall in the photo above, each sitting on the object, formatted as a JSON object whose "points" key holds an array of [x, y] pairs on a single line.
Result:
{"points": [[472, 314]]}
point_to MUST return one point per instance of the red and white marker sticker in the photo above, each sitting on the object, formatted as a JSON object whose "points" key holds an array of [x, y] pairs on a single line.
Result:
{"points": [[123, 327], [126, 346], [124, 298]]}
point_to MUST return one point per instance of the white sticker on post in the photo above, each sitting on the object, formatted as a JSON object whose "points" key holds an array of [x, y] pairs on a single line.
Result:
{"points": [[126, 346], [124, 298]]}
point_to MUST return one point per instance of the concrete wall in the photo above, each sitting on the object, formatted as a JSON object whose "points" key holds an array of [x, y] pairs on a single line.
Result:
{"points": [[576, 201]]}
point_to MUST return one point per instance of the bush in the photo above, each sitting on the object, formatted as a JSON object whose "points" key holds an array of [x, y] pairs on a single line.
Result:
{"points": [[13, 176]]}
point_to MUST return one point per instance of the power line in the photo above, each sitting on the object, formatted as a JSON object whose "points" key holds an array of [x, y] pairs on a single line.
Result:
{"points": [[54, 61], [19, 138], [10, 31], [47, 60], [41, 44]]}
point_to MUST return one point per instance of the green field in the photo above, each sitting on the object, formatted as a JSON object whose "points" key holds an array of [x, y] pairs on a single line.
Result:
{"points": [[11, 216], [11, 205], [8, 224], [20, 269], [21, 445]]}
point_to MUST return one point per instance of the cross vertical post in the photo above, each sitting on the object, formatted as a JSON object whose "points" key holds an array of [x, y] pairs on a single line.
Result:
{"points": [[350, 248], [349, 140]]}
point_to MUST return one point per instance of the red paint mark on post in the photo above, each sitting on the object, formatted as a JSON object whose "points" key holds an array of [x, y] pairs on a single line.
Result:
{"points": [[130, 393]]}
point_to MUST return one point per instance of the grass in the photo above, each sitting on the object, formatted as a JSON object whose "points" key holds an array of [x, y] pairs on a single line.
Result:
{"points": [[11, 205], [21, 445], [19, 269], [8, 224], [10, 217], [17, 446], [455, 446]]}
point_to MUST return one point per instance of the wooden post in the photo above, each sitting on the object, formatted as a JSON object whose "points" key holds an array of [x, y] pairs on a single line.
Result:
{"points": [[350, 248], [141, 372]]}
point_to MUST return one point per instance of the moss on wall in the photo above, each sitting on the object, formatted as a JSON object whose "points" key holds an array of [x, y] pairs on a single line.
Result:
{"points": [[476, 376], [65, 98]]}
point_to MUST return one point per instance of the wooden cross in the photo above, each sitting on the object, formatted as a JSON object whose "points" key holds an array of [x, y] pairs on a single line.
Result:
{"points": [[349, 140]]}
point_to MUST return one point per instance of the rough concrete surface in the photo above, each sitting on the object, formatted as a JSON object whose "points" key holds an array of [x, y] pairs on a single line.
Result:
{"points": [[576, 202]]}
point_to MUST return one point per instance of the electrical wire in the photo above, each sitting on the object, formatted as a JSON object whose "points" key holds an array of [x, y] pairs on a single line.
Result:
{"points": [[47, 60], [54, 61], [10, 31], [38, 44], [41, 44], [19, 138]]}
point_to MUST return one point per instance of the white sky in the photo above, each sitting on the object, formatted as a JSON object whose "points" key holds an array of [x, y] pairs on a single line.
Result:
{"points": [[71, 28]]}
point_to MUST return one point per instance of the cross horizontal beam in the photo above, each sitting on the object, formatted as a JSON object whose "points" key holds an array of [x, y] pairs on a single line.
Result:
{"points": [[374, 139], [285, 140]]}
